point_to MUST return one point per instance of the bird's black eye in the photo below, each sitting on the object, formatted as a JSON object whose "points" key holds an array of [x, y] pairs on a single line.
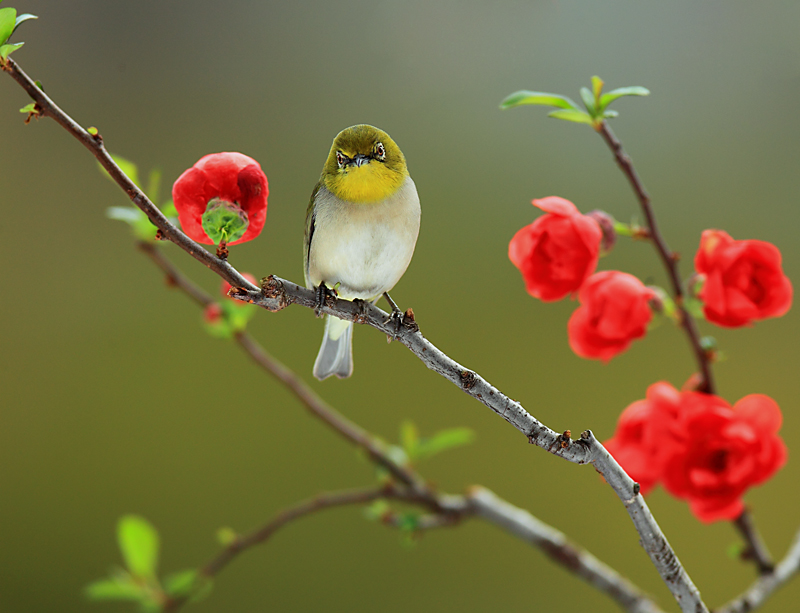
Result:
{"points": [[380, 152], [340, 159]]}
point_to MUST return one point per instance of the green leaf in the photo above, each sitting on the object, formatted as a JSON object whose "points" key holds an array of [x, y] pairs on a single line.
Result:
{"points": [[377, 510], [610, 114], [7, 50], [444, 440], [8, 18], [125, 165], [153, 184], [92, 130], [409, 438], [117, 588], [28, 108], [574, 116], [634, 90], [180, 585], [138, 541], [21, 18], [226, 536], [525, 97], [588, 100], [597, 87], [142, 228]]}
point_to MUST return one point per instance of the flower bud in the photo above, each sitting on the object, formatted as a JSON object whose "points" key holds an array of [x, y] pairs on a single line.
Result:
{"points": [[606, 223]]}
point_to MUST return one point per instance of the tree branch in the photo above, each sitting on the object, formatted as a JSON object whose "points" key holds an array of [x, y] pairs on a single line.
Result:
{"points": [[668, 257], [480, 502], [764, 586], [277, 294], [756, 550]]}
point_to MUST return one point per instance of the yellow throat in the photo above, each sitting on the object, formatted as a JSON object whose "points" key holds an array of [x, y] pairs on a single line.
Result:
{"points": [[364, 165]]}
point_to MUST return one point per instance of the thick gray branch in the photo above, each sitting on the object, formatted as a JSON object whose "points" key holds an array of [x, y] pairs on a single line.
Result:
{"points": [[277, 294], [553, 543]]}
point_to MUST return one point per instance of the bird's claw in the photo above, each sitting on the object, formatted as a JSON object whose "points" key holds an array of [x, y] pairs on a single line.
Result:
{"points": [[323, 294]]}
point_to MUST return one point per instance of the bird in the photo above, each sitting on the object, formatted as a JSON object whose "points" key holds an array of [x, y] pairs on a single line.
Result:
{"points": [[361, 228]]}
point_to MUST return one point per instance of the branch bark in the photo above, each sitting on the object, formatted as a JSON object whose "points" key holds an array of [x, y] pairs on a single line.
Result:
{"points": [[765, 585], [278, 293]]}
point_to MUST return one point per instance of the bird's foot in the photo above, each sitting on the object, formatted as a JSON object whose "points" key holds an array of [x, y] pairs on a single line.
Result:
{"points": [[395, 319], [324, 293]]}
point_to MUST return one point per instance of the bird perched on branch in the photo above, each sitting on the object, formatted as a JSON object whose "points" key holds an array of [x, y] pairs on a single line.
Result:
{"points": [[361, 228]]}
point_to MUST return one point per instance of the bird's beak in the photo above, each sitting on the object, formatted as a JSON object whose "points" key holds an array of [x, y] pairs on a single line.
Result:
{"points": [[359, 160]]}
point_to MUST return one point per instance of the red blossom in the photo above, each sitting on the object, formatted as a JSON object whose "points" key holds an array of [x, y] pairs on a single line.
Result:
{"points": [[744, 281], [230, 177], [558, 251], [614, 312], [642, 441], [701, 449]]}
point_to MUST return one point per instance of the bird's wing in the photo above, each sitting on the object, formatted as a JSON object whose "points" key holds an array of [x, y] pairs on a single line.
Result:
{"points": [[309, 232]]}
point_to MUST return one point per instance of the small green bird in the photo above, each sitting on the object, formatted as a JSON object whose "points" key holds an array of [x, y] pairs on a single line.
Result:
{"points": [[361, 228]]}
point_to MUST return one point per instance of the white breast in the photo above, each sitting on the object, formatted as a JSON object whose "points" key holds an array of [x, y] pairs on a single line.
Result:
{"points": [[365, 248]]}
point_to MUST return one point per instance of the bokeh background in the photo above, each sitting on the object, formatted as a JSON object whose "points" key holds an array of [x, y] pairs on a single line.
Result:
{"points": [[115, 400]]}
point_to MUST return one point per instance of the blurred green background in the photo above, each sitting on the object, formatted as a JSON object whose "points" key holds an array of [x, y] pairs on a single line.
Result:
{"points": [[114, 399]]}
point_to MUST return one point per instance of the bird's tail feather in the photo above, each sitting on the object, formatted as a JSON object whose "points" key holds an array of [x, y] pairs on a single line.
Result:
{"points": [[335, 357]]}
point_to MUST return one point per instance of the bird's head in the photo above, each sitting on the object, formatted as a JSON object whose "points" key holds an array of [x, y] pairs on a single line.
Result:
{"points": [[364, 165]]}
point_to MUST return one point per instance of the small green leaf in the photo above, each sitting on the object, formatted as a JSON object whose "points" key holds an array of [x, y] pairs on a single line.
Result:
{"points": [[28, 108], [180, 585], [634, 90], [409, 439], [39, 85], [525, 97], [8, 18], [588, 100], [708, 343], [92, 130], [735, 550], [623, 229], [597, 88], [444, 440], [694, 306], [226, 536], [138, 541], [21, 18], [574, 116], [610, 114], [378, 510], [7, 50], [117, 588]]}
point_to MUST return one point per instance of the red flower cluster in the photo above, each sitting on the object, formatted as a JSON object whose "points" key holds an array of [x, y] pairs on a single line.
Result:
{"points": [[614, 312], [703, 450], [231, 186], [744, 281], [558, 251]]}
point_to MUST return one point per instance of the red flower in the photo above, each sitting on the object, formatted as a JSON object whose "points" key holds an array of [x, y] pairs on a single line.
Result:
{"points": [[614, 312], [744, 281], [556, 252], [642, 441], [724, 451], [231, 180]]}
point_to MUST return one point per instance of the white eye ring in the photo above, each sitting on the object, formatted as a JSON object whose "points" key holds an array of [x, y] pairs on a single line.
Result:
{"points": [[340, 159], [380, 151]]}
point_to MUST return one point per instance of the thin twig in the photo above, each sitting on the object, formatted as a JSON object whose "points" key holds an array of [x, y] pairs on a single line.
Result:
{"points": [[260, 535], [481, 502], [764, 586], [281, 293], [668, 257], [756, 550]]}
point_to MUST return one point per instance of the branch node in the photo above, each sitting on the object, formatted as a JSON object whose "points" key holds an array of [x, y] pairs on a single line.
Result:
{"points": [[409, 322], [468, 379]]}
